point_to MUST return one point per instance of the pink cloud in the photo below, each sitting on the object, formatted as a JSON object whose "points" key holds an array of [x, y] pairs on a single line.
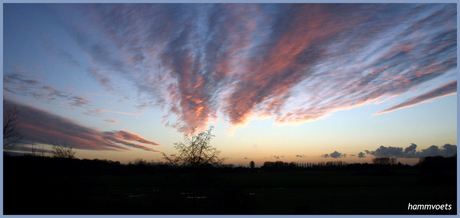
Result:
{"points": [[293, 62], [45, 127], [449, 88], [133, 137]]}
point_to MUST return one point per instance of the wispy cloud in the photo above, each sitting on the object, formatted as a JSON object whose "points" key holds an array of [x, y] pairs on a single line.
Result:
{"points": [[111, 121], [295, 63], [123, 137], [20, 83], [28, 85], [132, 137], [45, 127], [444, 90]]}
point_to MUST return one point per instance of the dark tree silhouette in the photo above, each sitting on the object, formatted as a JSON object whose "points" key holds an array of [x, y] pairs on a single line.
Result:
{"points": [[37, 151], [140, 162], [384, 160], [195, 151], [252, 165], [62, 151], [197, 155], [11, 133]]}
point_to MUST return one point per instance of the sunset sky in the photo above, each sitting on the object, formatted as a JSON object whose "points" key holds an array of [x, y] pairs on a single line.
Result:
{"points": [[295, 83]]}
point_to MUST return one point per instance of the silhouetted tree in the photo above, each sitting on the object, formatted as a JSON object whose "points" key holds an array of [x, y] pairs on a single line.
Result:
{"points": [[11, 133], [195, 151], [197, 154], [381, 160], [252, 165], [438, 169], [62, 151], [385, 160], [140, 162], [37, 151]]}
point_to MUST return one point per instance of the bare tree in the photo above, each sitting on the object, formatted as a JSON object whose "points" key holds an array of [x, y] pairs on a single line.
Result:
{"points": [[11, 133], [37, 151], [195, 151], [62, 151], [140, 162], [383, 160], [393, 160]]}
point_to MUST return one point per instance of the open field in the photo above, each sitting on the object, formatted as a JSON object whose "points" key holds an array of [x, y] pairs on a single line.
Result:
{"points": [[311, 192]]}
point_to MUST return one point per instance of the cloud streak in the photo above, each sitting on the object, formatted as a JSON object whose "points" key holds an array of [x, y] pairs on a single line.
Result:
{"points": [[444, 90], [293, 62], [23, 84], [110, 121], [45, 127]]}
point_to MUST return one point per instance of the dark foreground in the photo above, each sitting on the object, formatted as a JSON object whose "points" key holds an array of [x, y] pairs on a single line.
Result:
{"points": [[34, 185]]}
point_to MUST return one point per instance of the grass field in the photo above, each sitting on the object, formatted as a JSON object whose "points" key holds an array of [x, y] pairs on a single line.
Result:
{"points": [[315, 192]]}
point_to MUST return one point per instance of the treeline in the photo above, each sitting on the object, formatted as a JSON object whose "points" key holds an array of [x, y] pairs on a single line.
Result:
{"points": [[379, 165], [52, 166], [280, 165], [48, 166], [44, 165], [331, 165]]}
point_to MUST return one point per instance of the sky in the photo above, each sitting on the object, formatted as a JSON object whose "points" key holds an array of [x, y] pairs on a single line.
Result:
{"points": [[301, 83]]}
